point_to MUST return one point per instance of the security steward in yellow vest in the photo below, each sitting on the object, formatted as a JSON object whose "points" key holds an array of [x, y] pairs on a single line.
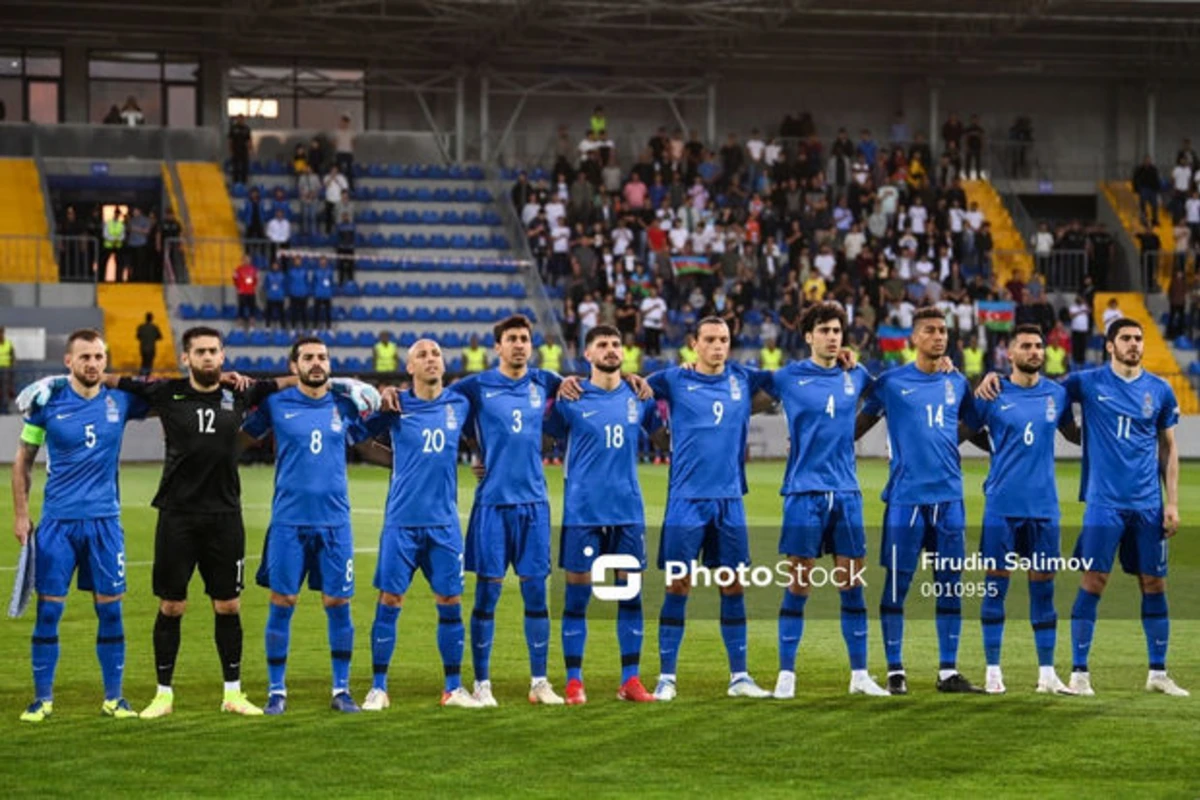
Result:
{"points": [[474, 357], [386, 357], [770, 357], [550, 356], [1056, 362]]}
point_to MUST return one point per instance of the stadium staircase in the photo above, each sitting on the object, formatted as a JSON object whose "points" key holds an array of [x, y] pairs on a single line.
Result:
{"points": [[1158, 357], [430, 260], [1119, 195], [23, 213], [125, 306], [211, 219], [1011, 252]]}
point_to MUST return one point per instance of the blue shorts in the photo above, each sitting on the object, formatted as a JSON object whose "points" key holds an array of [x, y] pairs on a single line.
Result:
{"points": [[823, 523], [1136, 533], [498, 536], [437, 551], [1026, 537], [324, 554], [578, 545], [712, 531], [934, 527], [96, 547]]}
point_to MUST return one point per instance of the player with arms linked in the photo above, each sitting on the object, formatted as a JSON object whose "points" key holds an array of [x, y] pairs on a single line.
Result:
{"points": [[81, 426], [310, 514], [420, 525], [1129, 459], [602, 503], [924, 494], [1021, 515]]}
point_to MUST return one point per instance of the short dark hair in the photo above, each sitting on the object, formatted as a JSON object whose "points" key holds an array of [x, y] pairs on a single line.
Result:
{"points": [[1032, 330], [198, 331], [511, 323], [820, 313], [83, 335], [711, 320], [294, 356], [929, 312], [598, 331], [1116, 325]]}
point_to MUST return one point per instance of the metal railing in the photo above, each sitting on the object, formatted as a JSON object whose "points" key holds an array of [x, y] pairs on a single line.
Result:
{"points": [[52, 259], [1063, 270], [369, 146], [1157, 268], [29, 140]]}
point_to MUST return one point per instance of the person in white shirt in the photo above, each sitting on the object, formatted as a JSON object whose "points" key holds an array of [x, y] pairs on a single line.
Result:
{"points": [[904, 313], [336, 188], [589, 316], [1081, 324], [755, 146], [917, 215], [975, 217], [1192, 212], [854, 242], [771, 152], [904, 267], [679, 237], [586, 146], [654, 314], [923, 268], [279, 231], [131, 113], [560, 247], [889, 198], [956, 218], [555, 209], [530, 211], [343, 149], [1111, 314], [825, 263], [622, 238]]}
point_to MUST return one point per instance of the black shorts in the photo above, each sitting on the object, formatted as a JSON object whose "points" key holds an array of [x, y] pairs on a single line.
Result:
{"points": [[214, 542], [247, 305]]}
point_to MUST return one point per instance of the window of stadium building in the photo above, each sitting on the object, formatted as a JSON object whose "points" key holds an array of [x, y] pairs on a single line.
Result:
{"points": [[143, 88], [29, 85], [300, 96]]}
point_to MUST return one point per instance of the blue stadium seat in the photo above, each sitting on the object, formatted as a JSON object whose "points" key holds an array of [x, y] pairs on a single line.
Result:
{"points": [[454, 365], [390, 217], [483, 196], [443, 195], [491, 218], [418, 241], [380, 314], [377, 170], [499, 242], [455, 290], [451, 218], [451, 339], [403, 194], [463, 315], [393, 289], [358, 314], [281, 338], [364, 339], [344, 339], [401, 314], [327, 337], [350, 289], [228, 311], [436, 172], [208, 311], [439, 241], [419, 171], [443, 314], [472, 218], [422, 314], [237, 338], [423, 194], [478, 241], [431, 217], [1184, 343], [372, 289], [260, 338], [410, 217], [397, 241], [242, 364], [376, 240], [476, 173], [408, 339], [359, 170], [395, 171], [456, 172], [187, 311], [340, 314], [459, 242]]}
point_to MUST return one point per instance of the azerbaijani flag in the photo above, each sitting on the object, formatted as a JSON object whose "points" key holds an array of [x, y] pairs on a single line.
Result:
{"points": [[997, 315], [892, 340], [691, 265]]}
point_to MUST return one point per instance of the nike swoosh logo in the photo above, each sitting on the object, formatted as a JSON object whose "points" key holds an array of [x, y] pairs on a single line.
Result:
{"points": [[693, 387], [64, 416], [179, 397], [407, 416], [1103, 398], [382, 641], [587, 414], [347, 587], [1007, 406], [907, 392], [806, 382], [292, 414], [572, 633], [489, 395]]}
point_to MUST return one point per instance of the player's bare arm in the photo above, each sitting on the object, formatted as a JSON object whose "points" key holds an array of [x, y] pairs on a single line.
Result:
{"points": [[863, 423], [1072, 432], [374, 452], [22, 482], [1168, 459], [978, 438], [989, 387]]}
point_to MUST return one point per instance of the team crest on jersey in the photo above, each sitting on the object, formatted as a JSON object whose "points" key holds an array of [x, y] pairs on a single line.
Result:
{"points": [[335, 424], [114, 414], [226, 400], [735, 388], [1051, 410], [950, 396], [535, 396], [1147, 406], [631, 410], [847, 383], [451, 419]]}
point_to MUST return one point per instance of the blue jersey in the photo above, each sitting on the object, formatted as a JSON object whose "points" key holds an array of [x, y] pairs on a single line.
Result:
{"points": [[1021, 424], [506, 420], [710, 417], [923, 411], [275, 285], [820, 405], [1121, 421], [600, 478], [424, 486], [323, 283], [311, 437], [299, 282], [83, 448]]}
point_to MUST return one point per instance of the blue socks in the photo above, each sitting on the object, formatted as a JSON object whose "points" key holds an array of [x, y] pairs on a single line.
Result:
{"points": [[383, 643], [891, 617], [341, 644], [1083, 627], [791, 627], [948, 611], [733, 630], [854, 626], [537, 625], [1157, 627], [450, 634], [574, 628], [45, 647], [991, 617], [110, 647], [670, 630], [629, 636], [483, 626], [1044, 619], [279, 629]]}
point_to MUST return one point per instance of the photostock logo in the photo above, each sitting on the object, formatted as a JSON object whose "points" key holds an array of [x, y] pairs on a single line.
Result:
{"points": [[626, 563]]}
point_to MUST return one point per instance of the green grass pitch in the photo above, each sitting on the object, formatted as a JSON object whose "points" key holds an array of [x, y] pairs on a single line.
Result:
{"points": [[824, 743]]}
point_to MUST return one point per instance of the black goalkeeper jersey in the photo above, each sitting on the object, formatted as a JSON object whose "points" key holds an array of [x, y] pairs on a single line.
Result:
{"points": [[200, 473]]}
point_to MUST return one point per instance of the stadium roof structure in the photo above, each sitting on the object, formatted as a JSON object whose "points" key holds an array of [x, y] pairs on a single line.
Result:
{"points": [[1147, 39]]}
